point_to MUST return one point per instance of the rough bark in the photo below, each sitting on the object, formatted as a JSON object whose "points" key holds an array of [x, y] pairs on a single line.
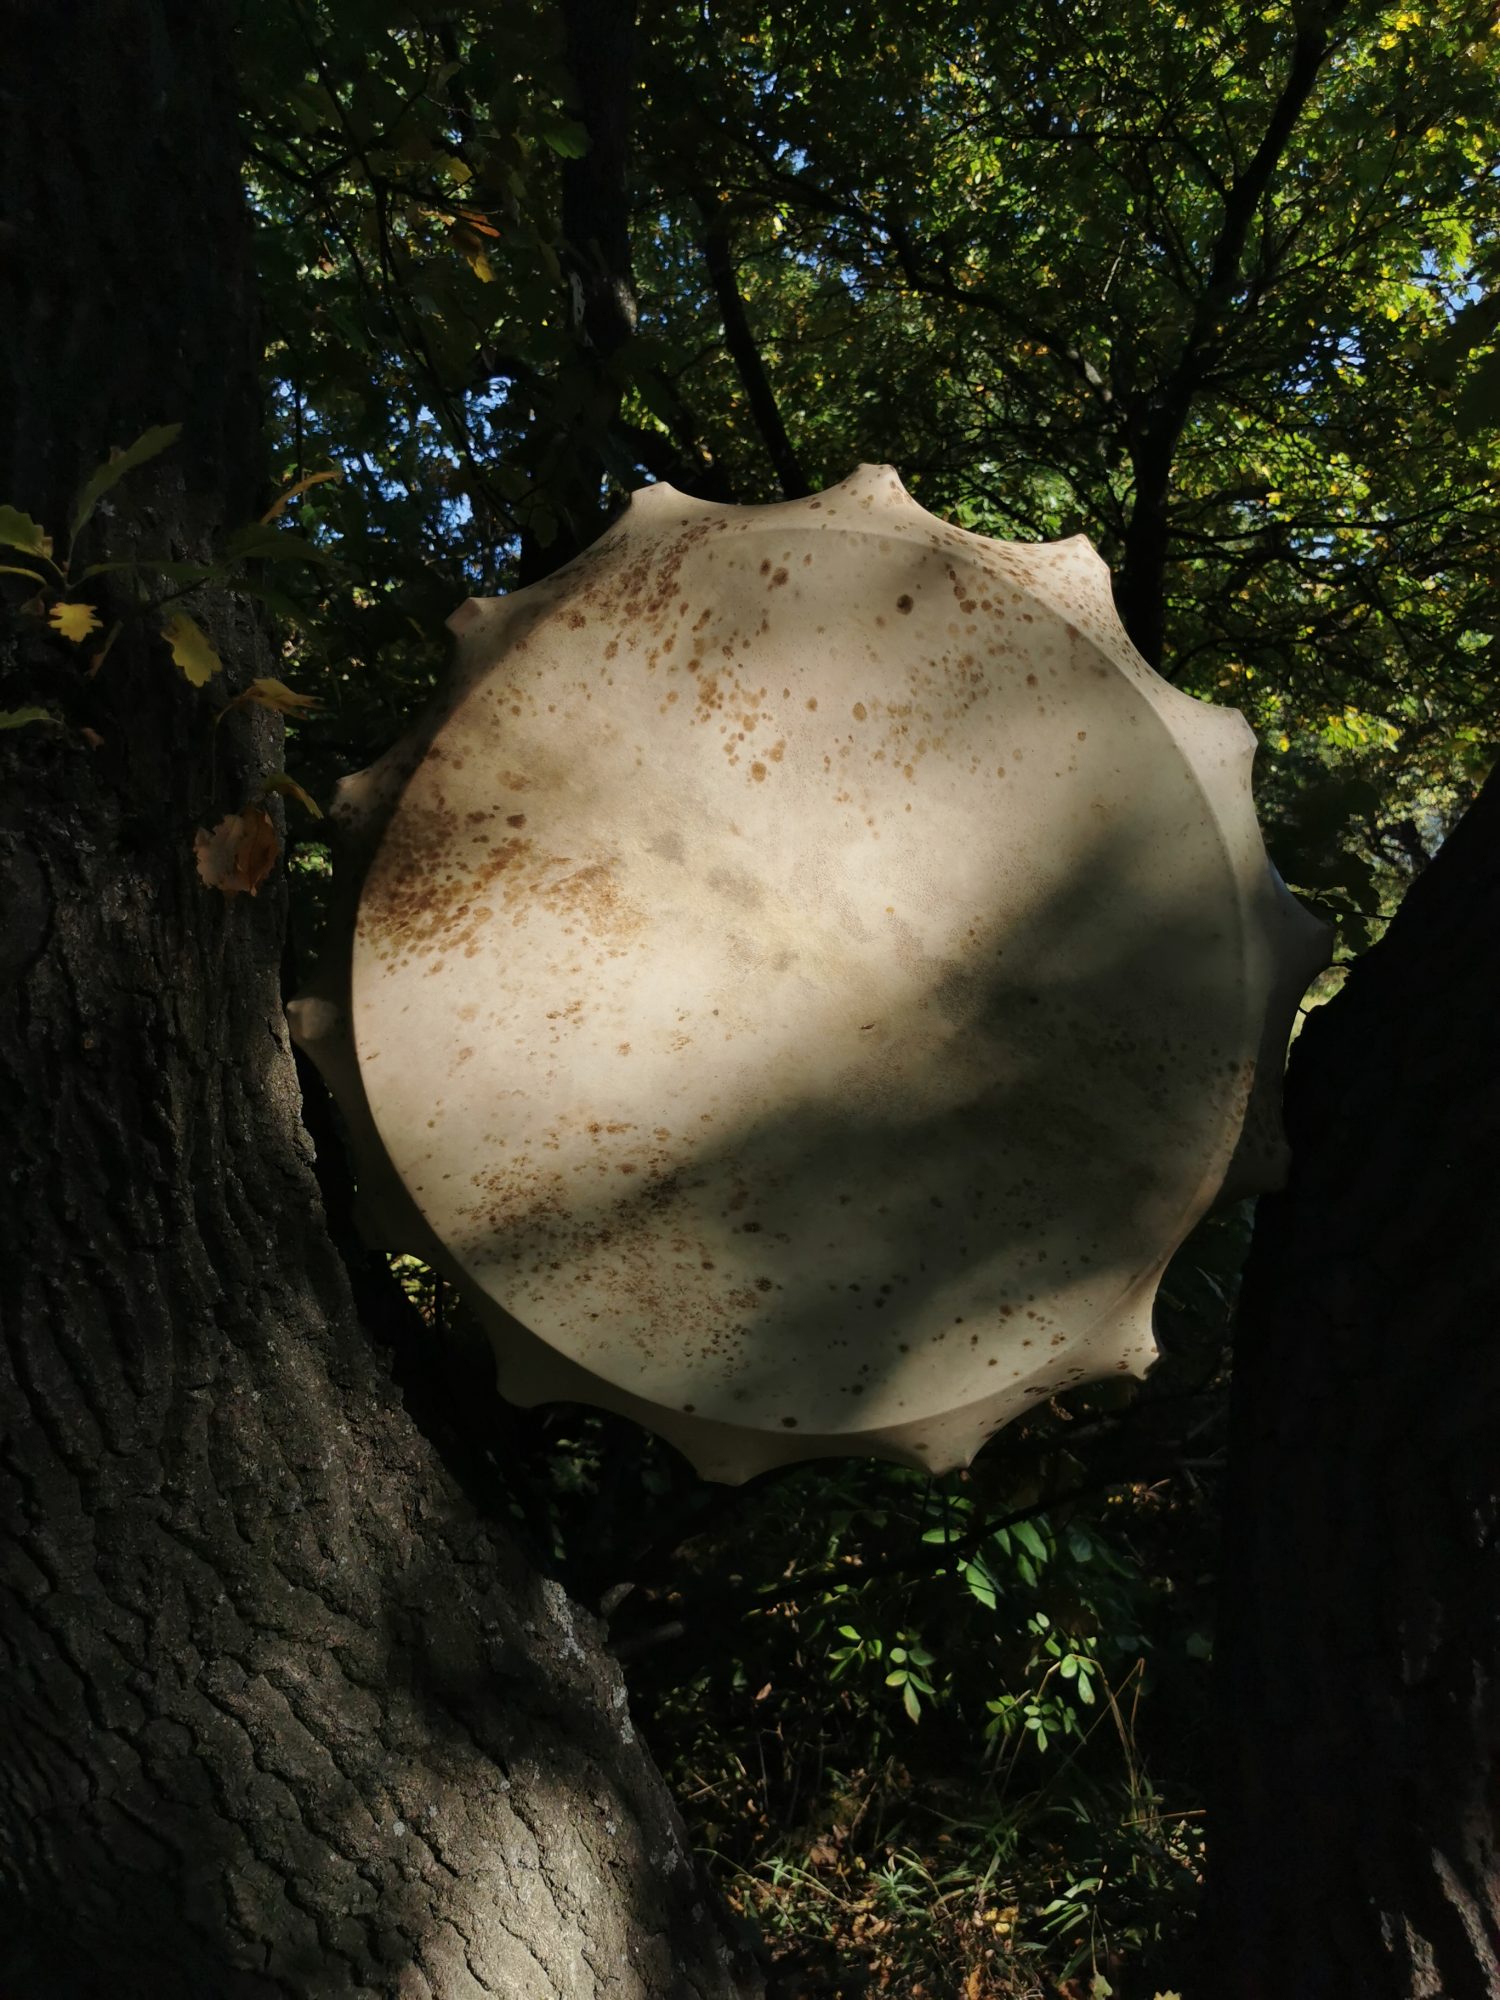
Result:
{"points": [[599, 38], [1356, 1835], [285, 1714], [600, 44]]}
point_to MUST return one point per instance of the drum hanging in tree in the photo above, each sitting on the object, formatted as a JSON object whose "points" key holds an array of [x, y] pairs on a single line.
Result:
{"points": [[808, 978]]}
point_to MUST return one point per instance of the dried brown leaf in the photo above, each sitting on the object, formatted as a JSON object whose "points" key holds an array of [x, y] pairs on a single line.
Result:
{"points": [[240, 852]]}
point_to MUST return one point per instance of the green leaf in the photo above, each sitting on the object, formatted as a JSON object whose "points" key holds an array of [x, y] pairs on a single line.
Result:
{"points": [[312, 106], [183, 572], [19, 531], [910, 1703], [18, 718], [15, 569], [105, 569], [178, 572], [981, 1585], [566, 137], [274, 600], [114, 469], [1026, 1534], [262, 543], [848, 1632], [192, 649]]}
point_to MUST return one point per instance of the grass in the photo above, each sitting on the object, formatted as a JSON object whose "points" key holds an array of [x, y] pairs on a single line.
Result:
{"points": [[1075, 1890]]}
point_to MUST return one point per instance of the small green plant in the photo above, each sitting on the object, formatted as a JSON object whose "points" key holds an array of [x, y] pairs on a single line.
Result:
{"points": [[909, 1660], [1046, 1711], [860, 1649]]}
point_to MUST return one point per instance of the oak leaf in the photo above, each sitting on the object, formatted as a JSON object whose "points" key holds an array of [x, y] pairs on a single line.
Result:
{"points": [[240, 852], [192, 649], [74, 621], [115, 467], [19, 531]]}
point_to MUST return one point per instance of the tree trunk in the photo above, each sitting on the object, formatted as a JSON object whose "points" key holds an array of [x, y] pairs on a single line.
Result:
{"points": [[599, 38], [1357, 1830], [285, 1714]]}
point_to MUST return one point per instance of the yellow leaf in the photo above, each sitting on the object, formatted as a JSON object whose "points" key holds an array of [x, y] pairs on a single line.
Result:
{"points": [[1273, 499], [96, 660], [74, 621], [192, 649], [273, 694], [312, 479], [468, 237], [284, 782], [240, 852]]}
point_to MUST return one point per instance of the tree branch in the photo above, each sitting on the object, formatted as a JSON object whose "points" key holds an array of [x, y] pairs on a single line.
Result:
{"points": [[1140, 596], [745, 353]]}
